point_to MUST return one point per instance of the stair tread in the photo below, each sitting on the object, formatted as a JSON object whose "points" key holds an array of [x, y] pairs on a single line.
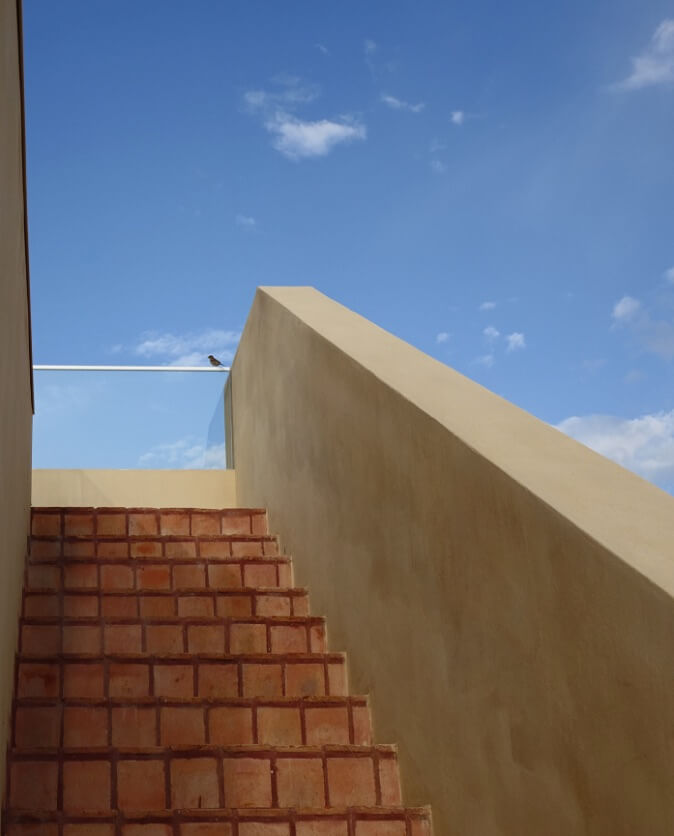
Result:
{"points": [[95, 702]]}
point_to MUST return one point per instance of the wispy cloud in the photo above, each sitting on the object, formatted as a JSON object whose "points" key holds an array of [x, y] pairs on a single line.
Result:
{"points": [[655, 65], [369, 46], [288, 92], [322, 48], [515, 341], [491, 333], [486, 360], [436, 145], [487, 306], [458, 117], [644, 445], [655, 335], [185, 454], [625, 309], [245, 221], [442, 337], [188, 349], [399, 104], [438, 167], [669, 275]]}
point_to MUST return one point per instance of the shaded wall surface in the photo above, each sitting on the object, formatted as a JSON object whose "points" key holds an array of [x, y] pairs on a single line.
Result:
{"points": [[504, 592], [15, 380]]}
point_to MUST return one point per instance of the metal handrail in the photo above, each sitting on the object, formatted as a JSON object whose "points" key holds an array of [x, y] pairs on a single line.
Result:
{"points": [[51, 368]]}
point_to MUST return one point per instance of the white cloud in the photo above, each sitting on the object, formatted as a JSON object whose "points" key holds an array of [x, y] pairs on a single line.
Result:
{"points": [[369, 46], [297, 139], [655, 65], [491, 333], [515, 341], [487, 306], [442, 337], [669, 275], [438, 167], [625, 309], [486, 360], [458, 117], [290, 92], [644, 445], [245, 221], [188, 349], [322, 48], [185, 454], [399, 104]]}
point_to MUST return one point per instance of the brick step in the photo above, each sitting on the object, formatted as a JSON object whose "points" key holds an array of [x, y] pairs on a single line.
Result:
{"points": [[45, 548], [186, 600], [329, 821], [179, 676], [288, 721], [136, 521], [151, 575], [194, 635]]}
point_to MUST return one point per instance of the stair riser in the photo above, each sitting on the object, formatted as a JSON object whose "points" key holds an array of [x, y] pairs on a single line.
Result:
{"points": [[140, 548]]}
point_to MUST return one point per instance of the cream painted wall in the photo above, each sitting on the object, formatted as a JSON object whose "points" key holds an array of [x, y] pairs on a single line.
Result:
{"points": [[134, 488], [15, 385], [504, 592]]}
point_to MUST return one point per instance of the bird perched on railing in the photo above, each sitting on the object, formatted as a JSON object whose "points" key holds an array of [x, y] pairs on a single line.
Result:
{"points": [[214, 360]]}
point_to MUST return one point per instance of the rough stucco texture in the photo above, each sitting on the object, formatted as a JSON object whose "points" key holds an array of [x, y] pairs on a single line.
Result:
{"points": [[15, 397], [503, 592]]}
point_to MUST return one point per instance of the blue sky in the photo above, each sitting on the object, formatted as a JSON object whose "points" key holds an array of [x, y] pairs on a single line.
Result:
{"points": [[492, 184]]}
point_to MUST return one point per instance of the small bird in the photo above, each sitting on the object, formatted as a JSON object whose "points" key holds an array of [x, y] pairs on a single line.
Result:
{"points": [[214, 360]]}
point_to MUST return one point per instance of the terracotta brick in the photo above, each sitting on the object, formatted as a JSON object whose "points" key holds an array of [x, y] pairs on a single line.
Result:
{"points": [[362, 725], [264, 828], [259, 523], [164, 638], [41, 829], [45, 549], [305, 680], [317, 640], [122, 638], [259, 574], [224, 576], [129, 680], [195, 605], [146, 548], [322, 827], [176, 681], [205, 524], [351, 782], [389, 781], [180, 548], [236, 524], [262, 680], [233, 606], [327, 725], [78, 525], [111, 525], [156, 606], [33, 785], [116, 549], [215, 548], [420, 827], [152, 829], [143, 524], [40, 639], [37, 728], [247, 638], [43, 577], [140, 785], [88, 829], [247, 782], [279, 726], [246, 548], [189, 577], [80, 680], [230, 725], [381, 827], [272, 605], [174, 524], [182, 726], [85, 726], [46, 524], [153, 577], [337, 679], [218, 680], [86, 786], [270, 547], [285, 575], [300, 782], [80, 577], [203, 638], [44, 606], [81, 638], [38, 680], [288, 638], [134, 725], [194, 783], [80, 606], [120, 606], [79, 549], [116, 577], [223, 828]]}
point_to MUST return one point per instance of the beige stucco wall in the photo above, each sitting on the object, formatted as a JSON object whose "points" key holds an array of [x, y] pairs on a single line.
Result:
{"points": [[15, 391], [504, 592], [135, 488]]}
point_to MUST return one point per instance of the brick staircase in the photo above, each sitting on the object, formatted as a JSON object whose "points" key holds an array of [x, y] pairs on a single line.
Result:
{"points": [[171, 682]]}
